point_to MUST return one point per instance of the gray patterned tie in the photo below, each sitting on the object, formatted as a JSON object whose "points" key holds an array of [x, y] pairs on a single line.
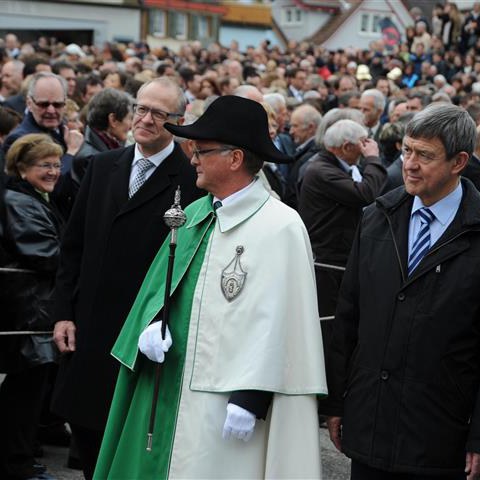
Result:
{"points": [[143, 166]]}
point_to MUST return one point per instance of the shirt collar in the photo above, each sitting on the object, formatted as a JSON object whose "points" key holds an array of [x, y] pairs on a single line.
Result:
{"points": [[344, 165], [156, 159], [444, 207], [241, 205], [305, 143]]}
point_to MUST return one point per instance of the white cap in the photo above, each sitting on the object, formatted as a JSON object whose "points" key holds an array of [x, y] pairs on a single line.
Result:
{"points": [[74, 49]]}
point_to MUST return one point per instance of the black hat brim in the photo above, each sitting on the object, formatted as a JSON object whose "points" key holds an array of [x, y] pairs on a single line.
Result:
{"points": [[234, 121]]}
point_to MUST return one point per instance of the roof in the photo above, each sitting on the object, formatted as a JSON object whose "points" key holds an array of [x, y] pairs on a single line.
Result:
{"points": [[331, 6], [247, 14], [186, 5], [334, 24]]}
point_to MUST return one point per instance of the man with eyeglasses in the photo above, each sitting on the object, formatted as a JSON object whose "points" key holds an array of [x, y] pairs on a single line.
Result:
{"points": [[238, 385], [404, 375], [115, 229], [46, 97]]}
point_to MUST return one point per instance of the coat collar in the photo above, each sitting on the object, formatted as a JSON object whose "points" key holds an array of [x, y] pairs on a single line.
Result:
{"points": [[235, 213], [157, 183], [397, 206], [94, 140], [469, 217]]}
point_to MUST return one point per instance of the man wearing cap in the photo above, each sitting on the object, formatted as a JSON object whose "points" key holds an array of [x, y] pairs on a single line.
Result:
{"points": [[238, 384]]}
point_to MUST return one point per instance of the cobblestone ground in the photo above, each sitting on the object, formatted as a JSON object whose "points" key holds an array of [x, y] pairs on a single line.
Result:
{"points": [[335, 465]]}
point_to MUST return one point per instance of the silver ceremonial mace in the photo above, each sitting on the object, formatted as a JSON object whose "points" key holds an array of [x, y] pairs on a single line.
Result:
{"points": [[174, 218]]}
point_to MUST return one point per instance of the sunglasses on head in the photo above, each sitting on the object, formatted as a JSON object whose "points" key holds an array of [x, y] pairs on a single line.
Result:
{"points": [[47, 104]]}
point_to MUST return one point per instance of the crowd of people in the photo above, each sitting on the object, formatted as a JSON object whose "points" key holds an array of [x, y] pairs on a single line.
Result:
{"points": [[279, 154]]}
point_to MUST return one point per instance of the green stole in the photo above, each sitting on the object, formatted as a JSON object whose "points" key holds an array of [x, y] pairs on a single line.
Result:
{"points": [[123, 453]]}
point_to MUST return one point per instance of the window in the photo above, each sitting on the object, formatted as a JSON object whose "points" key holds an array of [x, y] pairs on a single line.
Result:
{"points": [[180, 26], [370, 23], [292, 16], [203, 27], [157, 23], [365, 20]]}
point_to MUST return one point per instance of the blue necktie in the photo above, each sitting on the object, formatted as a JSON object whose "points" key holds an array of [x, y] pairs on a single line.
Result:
{"points": [[422, 242], [217, 205]]}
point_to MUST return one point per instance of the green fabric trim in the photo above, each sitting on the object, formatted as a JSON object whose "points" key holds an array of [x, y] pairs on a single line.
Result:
{"points": [[130, 411], [150, 298]]}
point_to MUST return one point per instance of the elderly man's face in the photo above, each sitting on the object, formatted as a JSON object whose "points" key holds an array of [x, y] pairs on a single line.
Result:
{"points": [[212, 161], [300, 130], [427, 172], [346, 84], [11, 78], [47, 103], [370, 114], [398, 111]]}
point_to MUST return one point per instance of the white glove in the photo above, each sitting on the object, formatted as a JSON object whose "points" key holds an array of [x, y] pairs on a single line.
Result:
{"points": [[239, 423], [151, 344]]}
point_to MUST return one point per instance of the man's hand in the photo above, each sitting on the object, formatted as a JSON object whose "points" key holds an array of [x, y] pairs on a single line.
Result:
{"points": [[369, 148], [239, 423], [151, 343], [334, 425], [73, 139], [64, 336], [472, 465]]}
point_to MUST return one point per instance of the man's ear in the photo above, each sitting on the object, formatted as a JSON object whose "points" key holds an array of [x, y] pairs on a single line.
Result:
{"points": [[460, 162], [29, 103], [180, 121], [237, 159]]}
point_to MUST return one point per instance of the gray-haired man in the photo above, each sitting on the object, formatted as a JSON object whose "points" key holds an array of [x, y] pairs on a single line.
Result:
{"points": [[404, 383]]}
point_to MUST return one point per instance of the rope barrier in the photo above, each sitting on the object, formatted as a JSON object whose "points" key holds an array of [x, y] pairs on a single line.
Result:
{"points": [[27, 332], [329, 267], [16, 270]]}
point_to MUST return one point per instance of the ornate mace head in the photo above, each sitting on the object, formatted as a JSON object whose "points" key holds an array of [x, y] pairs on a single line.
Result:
{"points": [[175, 217]]}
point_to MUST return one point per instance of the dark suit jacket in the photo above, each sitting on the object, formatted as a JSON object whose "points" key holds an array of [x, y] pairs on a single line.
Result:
{"points": [[331, 205], [108, 246], [472, 171], [17, 103], [29, 125], [295, 175], [394, 175]]}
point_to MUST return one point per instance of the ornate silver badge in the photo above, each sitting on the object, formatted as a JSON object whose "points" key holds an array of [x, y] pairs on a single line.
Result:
{"points": [[233, 280]]}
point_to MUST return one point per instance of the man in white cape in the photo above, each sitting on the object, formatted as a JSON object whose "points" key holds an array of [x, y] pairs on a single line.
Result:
{"points": [[242, 359]]}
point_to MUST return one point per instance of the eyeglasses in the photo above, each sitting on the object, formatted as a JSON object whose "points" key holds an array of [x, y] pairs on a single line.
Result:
{"points": [[196, 153], [49, 166], [47, 104], [159, 115]]}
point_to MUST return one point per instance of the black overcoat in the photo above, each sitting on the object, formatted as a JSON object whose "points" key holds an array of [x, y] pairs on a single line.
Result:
{"points": [[406, 369], [108, 246]]}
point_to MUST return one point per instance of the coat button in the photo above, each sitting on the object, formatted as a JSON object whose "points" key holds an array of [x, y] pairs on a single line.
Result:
{"points": [[401, 296], [384, 375]]}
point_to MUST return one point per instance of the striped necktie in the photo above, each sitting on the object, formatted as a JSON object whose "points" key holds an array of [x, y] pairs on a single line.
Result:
{"points": [[422, 242], [143, 166], [217, 205]]}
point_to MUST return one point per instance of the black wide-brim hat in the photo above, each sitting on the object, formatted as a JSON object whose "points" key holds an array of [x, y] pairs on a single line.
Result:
{"points": [[234, 121]]}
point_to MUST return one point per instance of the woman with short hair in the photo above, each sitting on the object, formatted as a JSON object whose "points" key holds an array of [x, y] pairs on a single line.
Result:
{"points": [[109, 119], [31, 239]]}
